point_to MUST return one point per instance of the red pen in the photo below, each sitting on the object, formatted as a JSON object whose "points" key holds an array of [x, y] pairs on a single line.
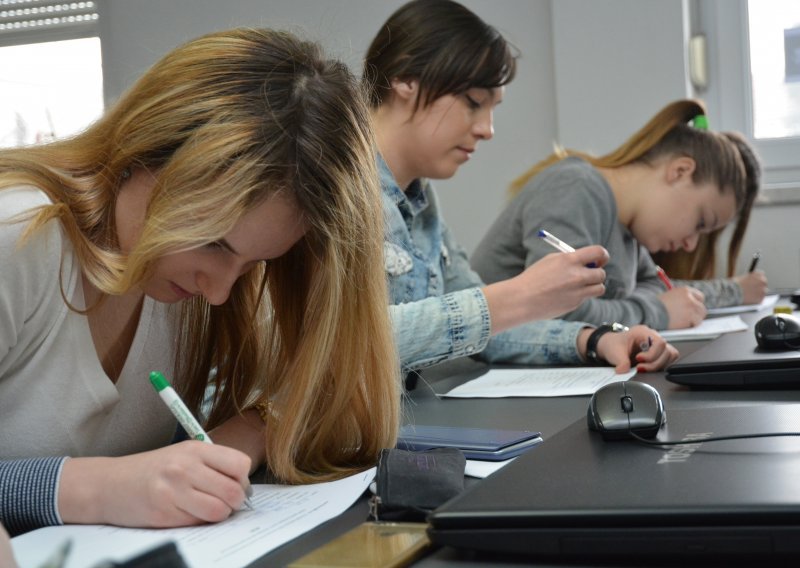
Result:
{"points": [[664, 278]]}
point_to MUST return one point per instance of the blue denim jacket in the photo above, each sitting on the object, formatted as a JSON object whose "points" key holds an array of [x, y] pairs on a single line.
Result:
{"points": [[438, 309]]}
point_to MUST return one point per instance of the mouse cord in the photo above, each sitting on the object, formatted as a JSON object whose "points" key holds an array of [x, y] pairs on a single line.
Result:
{"points": [[712, 439]]}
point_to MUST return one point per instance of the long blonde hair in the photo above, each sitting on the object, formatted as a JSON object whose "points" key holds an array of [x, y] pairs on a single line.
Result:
{"points": [[225, 121], [668, 133]]}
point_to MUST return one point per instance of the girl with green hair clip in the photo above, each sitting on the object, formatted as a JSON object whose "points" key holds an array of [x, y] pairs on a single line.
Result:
{"points": [[673, 182]]}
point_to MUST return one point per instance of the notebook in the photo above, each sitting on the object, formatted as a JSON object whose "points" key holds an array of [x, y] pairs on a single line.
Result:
{"points": [[736, 361], [578, 496], [476, 443]]}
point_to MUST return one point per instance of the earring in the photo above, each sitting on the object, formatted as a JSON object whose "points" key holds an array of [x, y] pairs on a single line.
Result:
{"points": [[126, 174]]}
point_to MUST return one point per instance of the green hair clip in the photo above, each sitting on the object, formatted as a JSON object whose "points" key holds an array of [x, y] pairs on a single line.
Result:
{"points": [[700, 121]]}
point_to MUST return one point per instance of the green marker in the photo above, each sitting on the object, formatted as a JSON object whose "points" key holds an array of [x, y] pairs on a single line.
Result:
{"points": [[178, 408], [185, 417]]}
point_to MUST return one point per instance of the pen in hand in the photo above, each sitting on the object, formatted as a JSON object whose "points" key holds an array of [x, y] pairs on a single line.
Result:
{"points": [[557, 243], [664, 278], [185, 417], [554, 241], [754, 262]]}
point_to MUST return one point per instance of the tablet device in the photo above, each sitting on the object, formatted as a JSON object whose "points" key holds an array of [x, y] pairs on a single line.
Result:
{"points": [[476, 443]]}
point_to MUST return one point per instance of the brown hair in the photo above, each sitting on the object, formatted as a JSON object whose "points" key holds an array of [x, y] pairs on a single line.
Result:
{"points": [[668, 133], [701, 263], [441, 44]]}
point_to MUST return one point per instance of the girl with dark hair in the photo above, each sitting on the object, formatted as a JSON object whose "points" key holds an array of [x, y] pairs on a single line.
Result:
{"points": [[435, 73], [670, 183]]}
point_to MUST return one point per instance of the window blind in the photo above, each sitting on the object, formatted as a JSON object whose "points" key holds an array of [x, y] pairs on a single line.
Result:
{"points": [[30, 21]]}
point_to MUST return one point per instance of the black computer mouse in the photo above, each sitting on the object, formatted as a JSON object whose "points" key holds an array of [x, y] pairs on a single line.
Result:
{"points": [[619, 408], [778, 331]]}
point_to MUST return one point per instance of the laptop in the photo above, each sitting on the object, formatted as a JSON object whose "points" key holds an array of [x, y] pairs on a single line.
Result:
{"points": [[735, 360], [579, 497]]}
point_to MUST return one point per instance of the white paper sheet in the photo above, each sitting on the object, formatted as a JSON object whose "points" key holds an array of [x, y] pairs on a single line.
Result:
{"points": [[481, 468], [281, 513], [766, 303], [561, 381], [708, 329]]}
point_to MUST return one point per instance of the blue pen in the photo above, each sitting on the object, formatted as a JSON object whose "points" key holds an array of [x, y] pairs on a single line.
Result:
{"points": [[557, 243], [554, 241], [185, 417]]}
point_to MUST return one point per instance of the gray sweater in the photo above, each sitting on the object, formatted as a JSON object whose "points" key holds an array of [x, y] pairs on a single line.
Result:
{"points": [[575, 203]]}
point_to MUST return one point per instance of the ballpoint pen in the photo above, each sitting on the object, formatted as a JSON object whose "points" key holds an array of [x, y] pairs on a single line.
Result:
{"points": [[554, 241], [185, 417], [754, 262], [664, 278]]}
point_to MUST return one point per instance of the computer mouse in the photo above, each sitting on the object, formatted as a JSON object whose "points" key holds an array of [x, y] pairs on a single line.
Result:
{"points": [[778, 331], [619, 408]]}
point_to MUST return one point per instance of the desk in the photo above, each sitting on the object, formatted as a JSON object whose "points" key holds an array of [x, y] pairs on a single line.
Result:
{"points": [[548, 415]]}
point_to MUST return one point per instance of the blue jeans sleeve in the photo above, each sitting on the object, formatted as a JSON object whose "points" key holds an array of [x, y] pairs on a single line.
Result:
{"points": [[439, 328], [546, 342]]}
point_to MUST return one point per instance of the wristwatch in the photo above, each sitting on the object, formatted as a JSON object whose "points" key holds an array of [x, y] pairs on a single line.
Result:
{"points": [[594, 338]]}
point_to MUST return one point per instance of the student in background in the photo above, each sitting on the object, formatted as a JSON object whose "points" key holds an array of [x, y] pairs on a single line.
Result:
{"points": [[435, 73], [222, 219], [670, 183], [699, 265]]}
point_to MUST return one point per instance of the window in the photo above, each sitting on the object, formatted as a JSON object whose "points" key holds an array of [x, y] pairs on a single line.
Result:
{"points": [[754, 81], [51, 82], [774, 31]]}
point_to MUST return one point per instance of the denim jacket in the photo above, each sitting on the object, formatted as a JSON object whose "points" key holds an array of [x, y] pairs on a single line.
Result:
{"points": [[438, 309]]}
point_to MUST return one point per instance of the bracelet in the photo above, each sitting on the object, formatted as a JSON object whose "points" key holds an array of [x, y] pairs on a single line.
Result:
{"points": [[594, 339]]}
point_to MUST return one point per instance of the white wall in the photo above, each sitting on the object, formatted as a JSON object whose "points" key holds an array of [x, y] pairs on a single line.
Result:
{"points": [[591, 73], [616, 63]]}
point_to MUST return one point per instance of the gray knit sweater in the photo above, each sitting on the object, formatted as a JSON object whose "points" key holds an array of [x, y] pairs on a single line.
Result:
{"points": [[575, 203]]}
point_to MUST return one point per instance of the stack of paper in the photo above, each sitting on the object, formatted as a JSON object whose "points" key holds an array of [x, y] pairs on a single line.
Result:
{"points": [[708, 329]]}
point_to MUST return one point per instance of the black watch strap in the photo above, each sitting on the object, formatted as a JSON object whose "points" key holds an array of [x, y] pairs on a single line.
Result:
{"points": [[594, 339]]}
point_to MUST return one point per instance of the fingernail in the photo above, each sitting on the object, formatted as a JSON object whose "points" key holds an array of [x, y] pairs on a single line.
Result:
{"points": [[640, 369]]}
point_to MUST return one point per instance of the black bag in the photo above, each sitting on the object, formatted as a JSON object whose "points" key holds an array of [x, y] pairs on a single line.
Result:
{"points": [[409, 485]]}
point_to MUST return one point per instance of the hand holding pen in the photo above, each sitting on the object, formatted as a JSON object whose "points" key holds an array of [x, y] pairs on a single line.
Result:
{"points": [[186, 418], [178, 485], [754, 262], [753, 283], [550, 287], [662, 275]]}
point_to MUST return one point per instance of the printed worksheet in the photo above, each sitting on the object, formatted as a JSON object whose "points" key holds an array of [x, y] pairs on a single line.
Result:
{"points": [[559, 381], [708, 329], [768, 302], [280, 513]]}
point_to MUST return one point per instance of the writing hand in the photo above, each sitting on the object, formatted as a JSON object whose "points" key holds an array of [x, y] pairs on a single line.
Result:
{"points": [[556, 284], [753, 285], [685, 307], [185, 484]]}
